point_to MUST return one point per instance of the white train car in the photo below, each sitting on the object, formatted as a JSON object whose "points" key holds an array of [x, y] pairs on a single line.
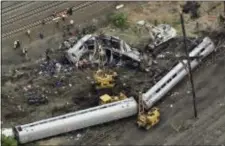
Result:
{"points": [[76, 120], [176, 74]]}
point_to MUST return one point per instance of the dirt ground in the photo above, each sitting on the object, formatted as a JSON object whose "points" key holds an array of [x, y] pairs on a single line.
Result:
{"points": [[177, 125]]}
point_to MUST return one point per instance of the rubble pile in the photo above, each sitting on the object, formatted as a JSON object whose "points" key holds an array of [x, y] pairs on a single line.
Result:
{"points": [[54, 67]]}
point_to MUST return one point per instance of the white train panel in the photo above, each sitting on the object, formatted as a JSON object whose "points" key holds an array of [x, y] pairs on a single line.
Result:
{"points": [[176, 74], [77, 120]]}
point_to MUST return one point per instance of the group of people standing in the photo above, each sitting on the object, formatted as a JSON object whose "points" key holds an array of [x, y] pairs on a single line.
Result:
{"points": [[57, 17]]}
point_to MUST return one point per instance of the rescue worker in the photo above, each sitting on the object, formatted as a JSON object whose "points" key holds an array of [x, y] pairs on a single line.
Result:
{"points": [[64, 35], [71, 23], [57, 23], [70, 33], [43, 22], [47, 57], [69, 11], [28, 33], [63, 17], [24, 51], [16, 44], [68, 28], [54, 14], [41, 35]]}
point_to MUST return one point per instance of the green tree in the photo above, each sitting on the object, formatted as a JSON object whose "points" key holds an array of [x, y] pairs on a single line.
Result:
{"points": [[8, 141]]}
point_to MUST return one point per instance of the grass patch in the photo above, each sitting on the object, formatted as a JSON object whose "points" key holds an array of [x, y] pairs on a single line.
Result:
{"points": [[8, 141], [119, 20]]}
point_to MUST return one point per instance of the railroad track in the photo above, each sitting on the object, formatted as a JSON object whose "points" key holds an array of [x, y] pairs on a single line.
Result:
{"points": [[28, 16], [31, 13], [14, 6], [46, 19]]}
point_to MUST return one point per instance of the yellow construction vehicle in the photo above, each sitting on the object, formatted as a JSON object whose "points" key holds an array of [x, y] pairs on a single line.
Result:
{"points": [[147, 119], [104, 99], [104, 79]]}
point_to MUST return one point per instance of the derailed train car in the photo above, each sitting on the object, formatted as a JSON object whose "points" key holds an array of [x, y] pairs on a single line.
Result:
{"points": [[177, 73], [111, 46], [76, 120]]}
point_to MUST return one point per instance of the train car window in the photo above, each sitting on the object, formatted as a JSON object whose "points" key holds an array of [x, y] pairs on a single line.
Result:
{"points": [[74, 55], [19, 128], [203, 49], [157, 90], [169, 80], [80, 47], [174, 75], [163, 85]]}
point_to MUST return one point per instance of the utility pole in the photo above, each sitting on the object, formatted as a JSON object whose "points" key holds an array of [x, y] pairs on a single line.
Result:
{"points": [[189, 65], [224, 8]]}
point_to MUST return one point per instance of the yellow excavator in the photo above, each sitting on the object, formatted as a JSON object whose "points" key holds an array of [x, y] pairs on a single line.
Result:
{"points": [[104, 79], [147, 119], [104, 99]]}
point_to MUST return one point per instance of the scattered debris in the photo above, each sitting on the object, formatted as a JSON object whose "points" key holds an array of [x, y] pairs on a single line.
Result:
{"points": [[175, 93], [188, 92], [141, 22], [222, 104], [78, 136], [37, 100], [119, 6]]}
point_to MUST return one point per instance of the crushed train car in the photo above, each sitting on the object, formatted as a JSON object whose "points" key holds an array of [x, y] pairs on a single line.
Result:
{"points": [[91, 47]]}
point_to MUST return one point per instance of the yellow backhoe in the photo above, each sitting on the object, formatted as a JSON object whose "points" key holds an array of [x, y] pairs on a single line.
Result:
{"points": [[147, 119], [104, 79]]}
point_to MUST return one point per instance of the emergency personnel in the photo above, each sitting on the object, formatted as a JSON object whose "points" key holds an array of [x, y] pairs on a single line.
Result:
{"points": [[24, 52], [69, 11], [16, 44], [71, 23], [47, 57], [63, 17], [41, 35], [43, 22], [28, 33], [57, 23], [54, 14]]}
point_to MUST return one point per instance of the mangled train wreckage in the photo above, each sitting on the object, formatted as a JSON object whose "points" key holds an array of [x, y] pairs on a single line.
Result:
{"points": [[112, 111], [160, 34], [101, 48], [105, 49]]}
